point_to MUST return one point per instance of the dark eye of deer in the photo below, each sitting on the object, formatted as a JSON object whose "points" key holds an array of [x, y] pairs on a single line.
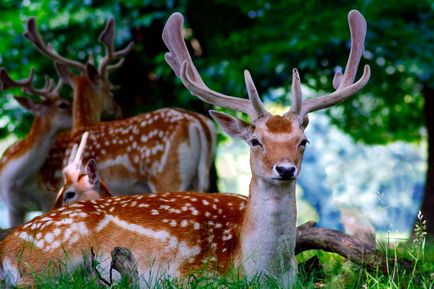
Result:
{"points": [[69, 195], [254, 142], [303, 143], [63, 105]]}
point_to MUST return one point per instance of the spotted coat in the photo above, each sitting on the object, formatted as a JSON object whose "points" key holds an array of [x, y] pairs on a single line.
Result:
{"points": [[172, 232]]}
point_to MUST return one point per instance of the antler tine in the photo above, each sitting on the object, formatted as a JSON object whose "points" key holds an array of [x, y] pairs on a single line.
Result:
{"points": [[27, 84], [344, 83], [8, 82], [256, 102], [33, 35], [73, 154], [79, 154], [107, 38], [49, 84], [58, 87], [297, 97], [180, 61]]}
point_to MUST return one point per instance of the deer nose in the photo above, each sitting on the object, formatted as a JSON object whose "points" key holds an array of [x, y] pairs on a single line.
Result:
{"points": [[286, 171]]}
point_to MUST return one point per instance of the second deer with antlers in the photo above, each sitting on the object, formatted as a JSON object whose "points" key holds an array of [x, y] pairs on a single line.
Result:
{"points": [[165, 150], [21, 182], [176, 233]]}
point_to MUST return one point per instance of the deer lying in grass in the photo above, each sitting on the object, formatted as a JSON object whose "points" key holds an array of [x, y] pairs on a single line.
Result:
{"points": [[21, 183], [175, 233], [165, 150], [81, 183]]}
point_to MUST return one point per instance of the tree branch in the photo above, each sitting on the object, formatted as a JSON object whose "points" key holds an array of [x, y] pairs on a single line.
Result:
{"points": [[310, 237]]}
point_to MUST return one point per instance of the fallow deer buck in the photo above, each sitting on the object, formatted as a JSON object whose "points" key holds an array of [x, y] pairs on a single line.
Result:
{"points": [[165, 150], [21, 182], [175, 233], [80, 183]]}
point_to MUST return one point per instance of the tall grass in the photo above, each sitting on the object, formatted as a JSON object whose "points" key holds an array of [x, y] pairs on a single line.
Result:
{"points": [[332, 271]]}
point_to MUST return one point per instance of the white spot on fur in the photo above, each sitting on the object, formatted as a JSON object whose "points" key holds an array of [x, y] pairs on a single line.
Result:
{"points": [[196, 226]]}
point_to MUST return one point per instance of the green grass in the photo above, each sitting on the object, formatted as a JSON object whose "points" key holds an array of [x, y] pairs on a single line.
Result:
{"points": [[333, 272], [329, 271]]}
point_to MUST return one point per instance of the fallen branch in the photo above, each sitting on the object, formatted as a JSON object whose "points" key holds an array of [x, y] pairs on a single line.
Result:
{"points": [[310, 237]]}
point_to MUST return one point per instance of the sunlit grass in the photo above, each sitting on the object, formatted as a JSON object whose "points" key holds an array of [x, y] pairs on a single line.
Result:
{"points": [[333, 272]]}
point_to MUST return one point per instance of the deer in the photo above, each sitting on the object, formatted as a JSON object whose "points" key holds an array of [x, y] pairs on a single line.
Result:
{"points": [[81, 183], [176, 233], [169, 149], [21, 182]]}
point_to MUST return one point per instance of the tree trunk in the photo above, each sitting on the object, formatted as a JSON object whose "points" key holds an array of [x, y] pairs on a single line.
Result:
{"points": [[427, 206]]}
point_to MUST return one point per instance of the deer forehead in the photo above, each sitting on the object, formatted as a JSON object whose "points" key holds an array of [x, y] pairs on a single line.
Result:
{"points": [[278, 129]]}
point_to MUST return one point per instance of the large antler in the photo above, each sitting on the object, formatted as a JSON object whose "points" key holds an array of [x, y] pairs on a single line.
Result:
{"points": [[107, 38], [179, 59], [344, 84], [27, 86], [33, 35]]}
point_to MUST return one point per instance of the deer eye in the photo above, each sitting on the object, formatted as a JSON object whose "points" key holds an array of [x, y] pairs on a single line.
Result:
{"points": [[303, 143], [63, 105], [69, 195], [254, 142]]}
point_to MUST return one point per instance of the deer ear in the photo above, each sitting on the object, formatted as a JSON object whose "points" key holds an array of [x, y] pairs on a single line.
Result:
{"points": [[92, 171], [232, 126], [92, 73], [27, 103], [65, 74]]}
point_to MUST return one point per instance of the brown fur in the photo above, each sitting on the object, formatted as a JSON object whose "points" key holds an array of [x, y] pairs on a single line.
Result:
{"points": [[223, 209], [279, 124], [90, 102], [101, 147]]}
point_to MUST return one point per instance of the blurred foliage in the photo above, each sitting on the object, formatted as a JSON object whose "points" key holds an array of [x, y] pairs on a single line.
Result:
{"points": [[267, 37]]}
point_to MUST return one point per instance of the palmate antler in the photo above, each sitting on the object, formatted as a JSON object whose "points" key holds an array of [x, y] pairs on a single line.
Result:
{"points": [[180, 61], [48, 91]]}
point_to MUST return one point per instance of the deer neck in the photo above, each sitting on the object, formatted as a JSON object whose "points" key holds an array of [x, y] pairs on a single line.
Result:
{"points": [[268, 232], [23, 159], [86, 112]]}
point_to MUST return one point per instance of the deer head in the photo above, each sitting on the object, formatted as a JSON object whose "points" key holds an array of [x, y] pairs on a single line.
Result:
{"points": [[276, 142], [50, 107], [80, 183], [92, 88]]}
